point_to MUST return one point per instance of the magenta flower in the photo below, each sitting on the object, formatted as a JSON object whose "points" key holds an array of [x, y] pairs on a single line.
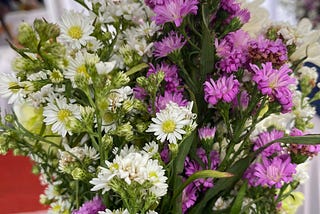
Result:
{"points": [[225, 88], [139, 93], [308, 150], [206, 133], [171, 78], [244, 100], [271, 172], [189, 197], [173, 42], [153, 3], [233, 51], [174, 11], [265, 138], [91, 207], [275, 83], [162, 101]]}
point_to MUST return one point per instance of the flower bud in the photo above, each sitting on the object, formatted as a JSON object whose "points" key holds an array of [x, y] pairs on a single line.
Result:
{"points": [[27, 37]]}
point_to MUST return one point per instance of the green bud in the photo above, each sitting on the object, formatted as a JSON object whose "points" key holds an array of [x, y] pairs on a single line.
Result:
{"points": [[125, 130], [9, 118], [46, 30], [174, 149], [141, 126], [27, 37], [120, 79], [107, 143], [127, 105], [272, 33], [78, 174]]}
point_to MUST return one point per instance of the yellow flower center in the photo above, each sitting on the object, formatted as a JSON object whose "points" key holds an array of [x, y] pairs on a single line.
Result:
{"points": [[153, 174], [14, 87], [168, 126], [75, 32], [56, 76], [82, 70], [64, 114]]}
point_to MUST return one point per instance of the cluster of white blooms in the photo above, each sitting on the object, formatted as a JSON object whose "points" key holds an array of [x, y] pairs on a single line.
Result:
{"points": [[72, 155], [171, 123], [131, 165], [122, 211]]}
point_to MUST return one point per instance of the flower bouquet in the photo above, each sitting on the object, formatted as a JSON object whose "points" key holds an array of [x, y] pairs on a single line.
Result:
{"points": [[164, 106]]}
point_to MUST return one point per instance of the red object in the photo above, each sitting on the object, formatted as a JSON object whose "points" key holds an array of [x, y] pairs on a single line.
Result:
{"points": [[19, 188]]}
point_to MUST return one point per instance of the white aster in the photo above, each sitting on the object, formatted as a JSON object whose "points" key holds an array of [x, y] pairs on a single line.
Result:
{"points": [[170, 122], [105, 67], [10, 88], [302, 172], [118, 96], [59, 114], [118, 211], [78, 67], [151, 148], [76, 29]]}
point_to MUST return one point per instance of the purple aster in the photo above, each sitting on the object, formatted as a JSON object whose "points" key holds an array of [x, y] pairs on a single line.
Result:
{"points": [[275, 83], [153, 3], [265, 138], [308, 150], [173, 42], [139, 93], [244, 100], [264, 50], [271, 172], [192, 166], [162, 101], [172, 79], [189, 197], [233, 51], [206, 133], [91, 207], [225, 88], [164, 154], [231, 6], [174, 11]]}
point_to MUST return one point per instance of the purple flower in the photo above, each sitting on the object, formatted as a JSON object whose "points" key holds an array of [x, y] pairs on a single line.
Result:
{"points": [[265, 138], [172, 79], [308, 150], [206, 133], [189, 197], [139, 93], [173, 42], [91, 207], [162, 101], [244, 100], [174, 11], [231, 6], [192, 166], [225, 88], [164, 154], [275, 83], [264, 50], [271, 172], [233, 51], [153, 3]]}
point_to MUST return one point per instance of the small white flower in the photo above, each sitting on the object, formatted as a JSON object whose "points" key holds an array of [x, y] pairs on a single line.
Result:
{"points": [[59, 114], [10, 88], [170, 122], [105, 67], [118, 211], [76, 29], [151, 148], [302, 174]]}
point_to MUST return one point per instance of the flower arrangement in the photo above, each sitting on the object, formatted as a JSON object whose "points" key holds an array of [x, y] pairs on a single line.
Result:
{"points": [[164, 106]]}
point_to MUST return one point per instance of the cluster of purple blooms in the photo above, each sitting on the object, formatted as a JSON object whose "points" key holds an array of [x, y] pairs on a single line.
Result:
{"points": [[238, 51], [193, 190], [91, 207]]}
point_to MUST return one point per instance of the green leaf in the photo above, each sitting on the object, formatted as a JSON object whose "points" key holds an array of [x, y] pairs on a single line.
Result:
{"points": [[201, 174], [310, 139], [136, 68], [237, 204]]}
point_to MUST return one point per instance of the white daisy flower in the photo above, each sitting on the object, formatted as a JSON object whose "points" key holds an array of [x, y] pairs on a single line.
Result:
{"points": [[118, 211], [156, 175], [10, 88], [105, 67], [169, 124], [76, 29], [59, 114], [151, 148], [78, 67], [118, 96]]}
